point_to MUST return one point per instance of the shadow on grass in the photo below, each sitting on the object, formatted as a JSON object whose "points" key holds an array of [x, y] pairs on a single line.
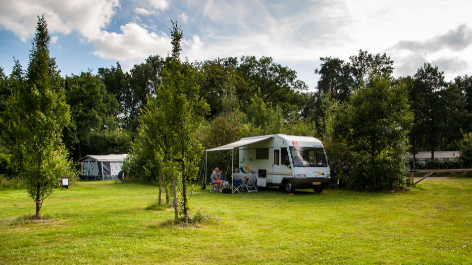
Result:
{"points": [[461, 176], [156, 207], [29, 219], [199, 218]]}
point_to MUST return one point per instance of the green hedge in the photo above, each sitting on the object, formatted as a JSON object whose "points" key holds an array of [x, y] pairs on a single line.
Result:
{"points": [[435, 164]]}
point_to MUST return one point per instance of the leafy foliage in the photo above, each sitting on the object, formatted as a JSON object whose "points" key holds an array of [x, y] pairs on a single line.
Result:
{"points": [[336, 78], [374, 125], [436, 164], [465, 146], [168, 129], [90, 105]]}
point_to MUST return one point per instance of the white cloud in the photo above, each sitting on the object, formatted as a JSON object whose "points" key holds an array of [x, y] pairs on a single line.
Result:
{"points": [[87, 17], [443, 50], [300, 32], [90, 18], [194, 49], [133, 45], [136, 43], [451, 65], [293, 33], [183, 17], [286, 31], [455, 39], [159, 4], [142, 11]]}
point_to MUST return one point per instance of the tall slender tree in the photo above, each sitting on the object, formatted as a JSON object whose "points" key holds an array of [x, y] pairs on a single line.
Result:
{"points": [[38, 112], [168, 128]]}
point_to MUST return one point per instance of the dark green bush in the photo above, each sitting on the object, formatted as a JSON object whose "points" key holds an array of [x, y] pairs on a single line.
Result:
{"points": [[436, 164], [390, 174]]}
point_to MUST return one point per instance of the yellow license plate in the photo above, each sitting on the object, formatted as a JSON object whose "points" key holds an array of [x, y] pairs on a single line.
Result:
{"points": [[316, 183]]}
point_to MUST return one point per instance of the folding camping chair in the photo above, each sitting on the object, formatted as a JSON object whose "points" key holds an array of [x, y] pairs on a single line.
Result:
{"points": [[236, 182], [251, 183]]}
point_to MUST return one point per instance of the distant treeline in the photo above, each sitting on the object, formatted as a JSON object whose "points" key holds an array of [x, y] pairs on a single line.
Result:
{"points": [[252, 96]]}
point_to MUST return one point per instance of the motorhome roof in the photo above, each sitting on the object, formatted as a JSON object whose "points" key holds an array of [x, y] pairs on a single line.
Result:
{"points": [[293, 140]]}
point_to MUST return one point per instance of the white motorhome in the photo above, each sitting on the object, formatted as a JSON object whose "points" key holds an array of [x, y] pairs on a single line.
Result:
{"points": [[289, 162]]}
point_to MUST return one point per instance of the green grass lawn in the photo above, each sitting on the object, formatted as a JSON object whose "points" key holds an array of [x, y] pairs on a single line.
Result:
{"points": [[106, 222]]}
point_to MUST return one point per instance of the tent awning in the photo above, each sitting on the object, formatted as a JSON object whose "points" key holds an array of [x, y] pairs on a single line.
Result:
{"points": [[241, 142], [106, 158]]}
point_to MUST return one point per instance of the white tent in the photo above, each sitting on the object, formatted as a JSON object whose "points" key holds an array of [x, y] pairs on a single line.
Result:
{"points": [[101, 167]]}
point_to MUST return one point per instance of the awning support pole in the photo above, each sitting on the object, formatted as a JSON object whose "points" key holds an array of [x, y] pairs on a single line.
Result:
{"points": [[232, 165], [206, 165]]}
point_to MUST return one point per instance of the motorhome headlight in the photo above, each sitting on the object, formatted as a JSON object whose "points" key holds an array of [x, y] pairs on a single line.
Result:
{"points": [[299, 176], [327, 175]]}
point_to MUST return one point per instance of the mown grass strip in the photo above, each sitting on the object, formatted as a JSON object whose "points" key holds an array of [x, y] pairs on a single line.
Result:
{"points": [[105, 222]]}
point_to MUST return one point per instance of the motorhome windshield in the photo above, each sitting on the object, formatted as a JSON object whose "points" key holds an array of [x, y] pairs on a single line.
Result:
{"points": [[308, 157]]}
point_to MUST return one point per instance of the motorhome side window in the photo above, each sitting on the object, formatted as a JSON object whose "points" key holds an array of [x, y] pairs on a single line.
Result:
{"points": [[308, 157], [262, 153], [283, 153]]}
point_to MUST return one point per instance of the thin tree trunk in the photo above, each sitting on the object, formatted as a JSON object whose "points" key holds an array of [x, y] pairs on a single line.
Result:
{"points": [[413, 150], [373, 171], [166, 189], [184, 186], [160, 189], [38, 201], [80, 152], [175, 196]]}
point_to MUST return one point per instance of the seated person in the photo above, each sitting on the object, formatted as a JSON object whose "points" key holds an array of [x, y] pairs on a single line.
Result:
{"points": [[236, 170], [216, 178], [246, 178], [298, 162]]}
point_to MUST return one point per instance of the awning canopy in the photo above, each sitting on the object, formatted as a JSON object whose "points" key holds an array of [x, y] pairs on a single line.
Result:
{"points": [[241, 142], [106, 158]]}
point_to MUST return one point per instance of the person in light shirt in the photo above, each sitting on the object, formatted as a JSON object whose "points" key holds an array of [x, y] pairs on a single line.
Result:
{"points": [[216, 178]]}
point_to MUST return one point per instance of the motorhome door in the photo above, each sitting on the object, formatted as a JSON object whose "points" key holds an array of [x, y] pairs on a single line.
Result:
{"points": [[275, 176]]}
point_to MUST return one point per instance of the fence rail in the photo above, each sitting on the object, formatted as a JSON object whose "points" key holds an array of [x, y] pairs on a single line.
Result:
{"points": [[433, 171]]}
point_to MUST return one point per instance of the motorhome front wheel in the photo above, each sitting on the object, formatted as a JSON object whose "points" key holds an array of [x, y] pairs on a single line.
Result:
{"points": [[288, 187]]}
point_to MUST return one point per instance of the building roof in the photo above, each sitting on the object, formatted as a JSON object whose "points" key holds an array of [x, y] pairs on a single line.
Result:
{"points": [[437, 154], [106, 158]]}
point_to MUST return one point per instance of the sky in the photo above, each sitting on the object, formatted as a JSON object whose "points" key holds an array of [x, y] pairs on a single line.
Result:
{"points": [[90, 34]]}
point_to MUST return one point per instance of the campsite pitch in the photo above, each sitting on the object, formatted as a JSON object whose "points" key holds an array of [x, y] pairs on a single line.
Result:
{"points": [[111, 223]]}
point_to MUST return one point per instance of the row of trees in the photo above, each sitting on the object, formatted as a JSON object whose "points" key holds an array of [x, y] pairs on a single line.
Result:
{"points": [[442, 110], [166, 111], [420, 113]]}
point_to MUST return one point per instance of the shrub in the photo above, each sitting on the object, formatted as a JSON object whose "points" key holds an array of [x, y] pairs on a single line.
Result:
{"points": [[13, 183], [436, 164]]}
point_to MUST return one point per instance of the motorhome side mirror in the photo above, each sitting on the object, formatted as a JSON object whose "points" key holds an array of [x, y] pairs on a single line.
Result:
{"points": [[287, 161]]}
